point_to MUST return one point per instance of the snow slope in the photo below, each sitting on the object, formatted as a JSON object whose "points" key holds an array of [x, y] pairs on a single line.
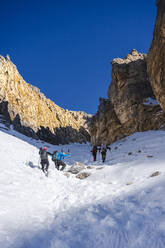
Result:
{"points": [[118, 206]]}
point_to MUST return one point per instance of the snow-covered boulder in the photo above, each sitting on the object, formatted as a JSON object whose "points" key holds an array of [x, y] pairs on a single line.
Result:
{"points": [[156, 173], [90, 167], [76, 168], [83, 175], [67, 174]]}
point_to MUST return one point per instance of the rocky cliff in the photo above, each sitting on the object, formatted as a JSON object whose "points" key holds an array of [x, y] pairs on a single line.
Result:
{"points": [[131, 105], [156, 56], [33, 114]]}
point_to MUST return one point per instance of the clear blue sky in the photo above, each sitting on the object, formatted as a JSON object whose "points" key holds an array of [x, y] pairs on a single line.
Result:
{"points": [[64, 47]]}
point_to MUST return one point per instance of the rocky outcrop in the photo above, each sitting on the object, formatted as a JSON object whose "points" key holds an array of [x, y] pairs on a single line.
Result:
{"points": [[76, 168], [83, 175], [130, 85], [131, 105], [105, 127], [33, 114], [156, 56]]}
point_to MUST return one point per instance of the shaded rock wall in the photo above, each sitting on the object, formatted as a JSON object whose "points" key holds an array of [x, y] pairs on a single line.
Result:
{"points": [[105, 127], [156, 56], [33, 114], [131, 105]]}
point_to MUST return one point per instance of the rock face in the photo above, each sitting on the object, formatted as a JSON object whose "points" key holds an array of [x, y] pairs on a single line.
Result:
{"points": [[33, 114], [129, 86], [105, 127], [131, 105], [156, 56]]}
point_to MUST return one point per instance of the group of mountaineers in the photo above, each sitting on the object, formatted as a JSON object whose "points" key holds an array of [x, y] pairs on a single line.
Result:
{"points": [[103, 149], [57, 157]]}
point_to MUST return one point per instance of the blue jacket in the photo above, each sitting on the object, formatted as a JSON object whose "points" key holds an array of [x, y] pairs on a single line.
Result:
{"points": [[60, 155]]}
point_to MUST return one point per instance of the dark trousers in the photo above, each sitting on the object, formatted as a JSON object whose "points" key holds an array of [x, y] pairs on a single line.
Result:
{"points": [[103, 156], [94, 156], [58, 163], [45, 165]]}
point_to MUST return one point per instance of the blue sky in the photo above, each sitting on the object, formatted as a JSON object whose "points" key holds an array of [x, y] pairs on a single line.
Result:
{"points": [[64, 47]]}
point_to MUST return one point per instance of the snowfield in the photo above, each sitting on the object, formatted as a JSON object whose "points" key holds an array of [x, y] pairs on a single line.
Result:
{"points": [[117, 206]]}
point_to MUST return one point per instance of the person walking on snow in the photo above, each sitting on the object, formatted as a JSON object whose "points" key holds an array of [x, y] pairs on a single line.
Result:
{"points": [[57, 157], [94, 152], [44, 158], [103, 150]]}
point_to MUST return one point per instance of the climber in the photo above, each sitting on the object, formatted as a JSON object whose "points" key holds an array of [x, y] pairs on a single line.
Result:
{"points": [[94, 152], [103, 150], [44, 158], [57, 158]]}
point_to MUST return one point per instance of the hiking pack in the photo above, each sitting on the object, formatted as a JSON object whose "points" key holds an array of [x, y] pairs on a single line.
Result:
{"points": [[43, 154], [94, 149], [103, 149], [55, 156]]}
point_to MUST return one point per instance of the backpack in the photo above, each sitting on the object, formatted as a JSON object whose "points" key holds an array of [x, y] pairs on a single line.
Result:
{"points": [[54, 156], [94, 149], [103, 149], [43, 155]]}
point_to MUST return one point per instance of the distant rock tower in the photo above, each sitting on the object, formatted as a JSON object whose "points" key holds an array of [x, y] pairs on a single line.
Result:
{"points": [[131, 105]]}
